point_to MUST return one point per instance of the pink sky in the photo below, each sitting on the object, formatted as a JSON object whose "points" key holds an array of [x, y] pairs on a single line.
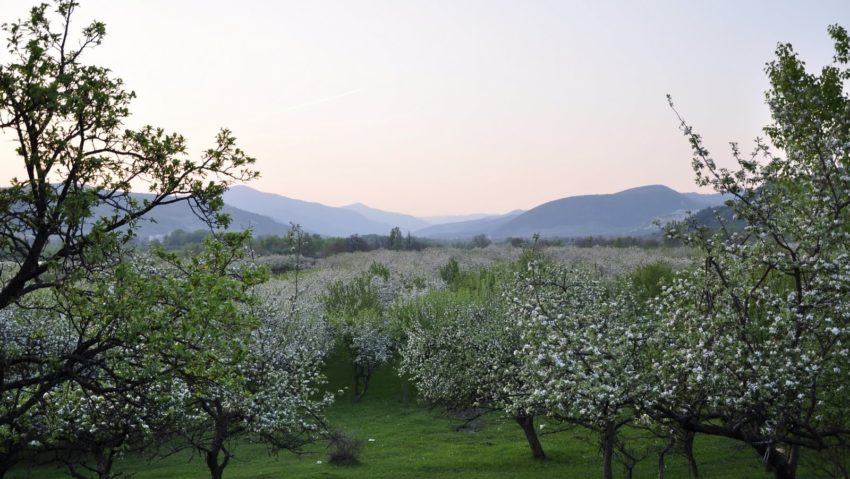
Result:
{"points": [[449, 107]]}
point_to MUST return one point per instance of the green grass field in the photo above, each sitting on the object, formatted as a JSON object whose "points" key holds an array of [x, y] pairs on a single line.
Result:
{"points": [[413, 441]]}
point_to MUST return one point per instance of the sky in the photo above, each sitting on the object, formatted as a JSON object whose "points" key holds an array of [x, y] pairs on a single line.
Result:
{"points": [[439, 107]]}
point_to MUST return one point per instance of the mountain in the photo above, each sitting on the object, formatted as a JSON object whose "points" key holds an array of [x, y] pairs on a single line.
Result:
{"points": [[708, 217], [439, 220], [313, 217], [467, 229], [403, 221], [629, 212], [708, 199], [167, 218]]}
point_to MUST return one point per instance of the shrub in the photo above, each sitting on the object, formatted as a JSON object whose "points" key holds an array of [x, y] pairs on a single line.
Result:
{"points": [[450, 271], [343, 449]]}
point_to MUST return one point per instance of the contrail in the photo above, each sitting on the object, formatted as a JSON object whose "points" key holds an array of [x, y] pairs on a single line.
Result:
{"points": [[321, 100]]}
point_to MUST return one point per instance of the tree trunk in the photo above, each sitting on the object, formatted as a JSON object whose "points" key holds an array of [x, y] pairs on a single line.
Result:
{"points": [[361, 382], [688, 448], [216, 470], [217, 448], [608, 436], [527, 425], [366, 378], [9, 457], [405, 391], [661, 464], [663, 455], [777, 462], [104, 464], [356, 391], [795, 459]]}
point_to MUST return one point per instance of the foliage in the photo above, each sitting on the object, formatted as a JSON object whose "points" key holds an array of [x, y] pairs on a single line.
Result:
{"points": [[481, 241], [396, 240], [461, 355], [84, 317], [275, 399], [379, 270], [582, 340], [355, 308], [754, 343], [80, 161], [450, 271], [124, 337], [647, 281]]}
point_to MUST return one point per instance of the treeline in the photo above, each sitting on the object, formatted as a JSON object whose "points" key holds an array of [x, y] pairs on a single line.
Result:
{"points": [[623, 242], [655, 241], [316, 246], [306, 244]]}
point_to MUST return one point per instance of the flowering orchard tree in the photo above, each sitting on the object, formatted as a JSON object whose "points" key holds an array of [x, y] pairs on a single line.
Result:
{"points": [[461, 355], [26, 330], [582, 342], [63, 224], [756, 343], [286, 356], [356, 310], [132, 327], [89, 431], [79, 160], [273, 396]]}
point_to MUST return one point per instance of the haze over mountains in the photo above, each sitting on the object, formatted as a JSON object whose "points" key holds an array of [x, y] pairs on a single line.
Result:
{"points": [[629, 212]]}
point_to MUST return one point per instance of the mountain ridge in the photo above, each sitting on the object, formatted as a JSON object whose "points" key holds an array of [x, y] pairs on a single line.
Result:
{"points": [[630, 212]]}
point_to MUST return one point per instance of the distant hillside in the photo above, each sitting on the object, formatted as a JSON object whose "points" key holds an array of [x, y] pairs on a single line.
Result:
{"points": [[467, 229], [708, 217], [708, 199], [313, 217], [168, 218], [439, 220], [403, 221], [629, 212]]}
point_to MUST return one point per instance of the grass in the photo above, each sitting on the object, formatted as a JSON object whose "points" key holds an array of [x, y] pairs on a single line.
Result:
{"points": [[408, 440]]}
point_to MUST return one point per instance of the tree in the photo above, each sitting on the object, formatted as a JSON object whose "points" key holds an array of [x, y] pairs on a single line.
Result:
{"points": [[73, 208], [118, 342], [356, 310], [583, 341], [461, 355], [90, 431], [481, 241], [755, 341], [396, 240], [64, 224], [273, 398]]}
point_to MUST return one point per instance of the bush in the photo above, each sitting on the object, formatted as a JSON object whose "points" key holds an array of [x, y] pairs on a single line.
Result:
{"points": [[450, 271], [344, 450], [378, 270]]}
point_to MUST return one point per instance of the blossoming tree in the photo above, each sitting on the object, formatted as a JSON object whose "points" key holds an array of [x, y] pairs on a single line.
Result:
{"points": [[583, 342], [755, 343], [461, 355]]}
